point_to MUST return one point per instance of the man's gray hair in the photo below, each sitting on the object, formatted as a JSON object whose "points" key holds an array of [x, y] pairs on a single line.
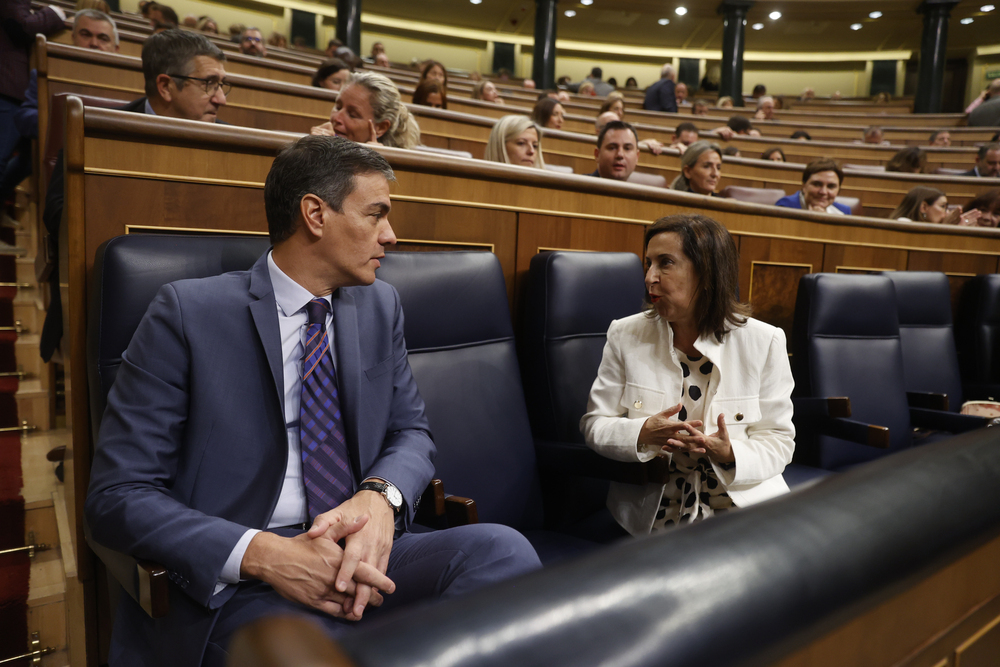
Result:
{"points": [[321, 166], [172, 52], [95, 15], [248, 29], [667, 71]]}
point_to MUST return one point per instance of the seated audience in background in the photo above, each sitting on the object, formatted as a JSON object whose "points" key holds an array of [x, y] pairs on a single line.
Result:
{"points": [[774, 155], [503, 74], [487, 92], [552, 92], [369, 109], [759, 91], [685, 134], [987, 162], [548, 113], [737, 125], [692, 332], [662, 95], [631, 83], [765, 108], [434, 71], [617, 151], [701, 169], [883, 98], [278, 40], [252, 43], [652, 145], [807, 94], [710, 82], [990, 99], [725, 102], [988, 205], [779, 102], [516, 140], [208, 24], [924, 204], [561, 81], [190, 21], [731, 151], [528, 84], [910, 160], [801, 135], [348, 56], [93, 29], [235, 31], [475, 77], [586, 88], [821, 181], [941, 138], [681, 93], [382, 60], [377, 48], [615, 105], [873, 135], [612, 81], [601, 88], [700, 108], [162, 15], [332, 74], [563, 96], [432, 94], [332, 46], [99, 5], [159, 27]]}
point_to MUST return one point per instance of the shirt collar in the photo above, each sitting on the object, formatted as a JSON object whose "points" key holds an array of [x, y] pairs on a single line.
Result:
{"points": [[290, 296], [149, 109]]}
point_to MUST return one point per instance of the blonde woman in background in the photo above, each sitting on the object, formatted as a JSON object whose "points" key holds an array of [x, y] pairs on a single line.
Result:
{"points": [[370, 110], [487, 92], [516, 140]]}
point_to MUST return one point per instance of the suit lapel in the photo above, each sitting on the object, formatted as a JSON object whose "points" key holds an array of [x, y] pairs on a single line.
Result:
{"points": [[348, 347], [265, 318]]}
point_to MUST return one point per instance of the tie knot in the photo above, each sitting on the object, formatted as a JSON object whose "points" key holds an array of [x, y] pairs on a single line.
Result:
{"points": [[317, 309]]}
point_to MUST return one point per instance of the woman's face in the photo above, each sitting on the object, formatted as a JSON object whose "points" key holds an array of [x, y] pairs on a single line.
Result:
{"points": [[434, 100], [704, 174], [671, 280], [555, 121], [337, 80], [489, 92], [821, 189], [934, 211], [435, 73], [522, 148], [775, 156], [618, 108], [990, 216], [352, 113]]}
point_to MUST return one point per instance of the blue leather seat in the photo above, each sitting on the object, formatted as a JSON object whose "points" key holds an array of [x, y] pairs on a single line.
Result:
{"points": [[977, 333], [461, 348]]}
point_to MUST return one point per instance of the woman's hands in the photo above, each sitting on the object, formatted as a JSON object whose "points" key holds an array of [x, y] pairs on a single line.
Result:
{"points": [[683, 436]]}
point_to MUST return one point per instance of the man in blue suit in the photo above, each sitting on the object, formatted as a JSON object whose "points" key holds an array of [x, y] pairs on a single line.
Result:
{"points": [[207, 455]]}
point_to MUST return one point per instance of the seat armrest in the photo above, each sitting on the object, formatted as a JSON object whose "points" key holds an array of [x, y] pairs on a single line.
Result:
{"points": [[431, 505], [855, 431], [461, 511], [927, 400], [815, 406], [946, 421], [154, 597]]}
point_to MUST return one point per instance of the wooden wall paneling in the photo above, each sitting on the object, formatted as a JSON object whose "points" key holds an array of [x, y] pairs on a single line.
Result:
{"points": [[769, 276], [958, 267], [862, 259]]}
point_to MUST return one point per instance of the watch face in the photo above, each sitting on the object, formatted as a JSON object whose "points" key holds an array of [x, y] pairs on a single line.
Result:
{"points": [[394, 497]]}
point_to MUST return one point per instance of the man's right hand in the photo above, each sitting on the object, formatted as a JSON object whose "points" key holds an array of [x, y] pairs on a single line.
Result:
{"points": [[304, 570]]}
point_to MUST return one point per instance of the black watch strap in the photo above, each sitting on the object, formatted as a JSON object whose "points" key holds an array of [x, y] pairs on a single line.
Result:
{"points": [[381, 488]]}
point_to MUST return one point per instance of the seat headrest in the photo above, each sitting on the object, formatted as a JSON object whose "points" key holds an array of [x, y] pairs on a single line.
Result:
{"points": [[851, 305], [922, 297], [449, 299], [754, 195]]}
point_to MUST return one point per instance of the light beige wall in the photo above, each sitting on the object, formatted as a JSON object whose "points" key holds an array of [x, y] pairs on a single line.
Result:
{"points": [[789, 79], [402, 49], [223, 14], [979, 65]]}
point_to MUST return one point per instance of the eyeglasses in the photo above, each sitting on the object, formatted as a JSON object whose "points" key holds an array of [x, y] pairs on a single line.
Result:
{"points": [[255, 40], [209, 85]]}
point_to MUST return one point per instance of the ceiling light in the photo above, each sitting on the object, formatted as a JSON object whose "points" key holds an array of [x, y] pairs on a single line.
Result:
{"points": [[987, 8], [855, 26], [681, 11], [586, 2], [757, 26], [875, 15], [476, 2], [570, 13], [966, 21], [664, 21], [774, 16]]}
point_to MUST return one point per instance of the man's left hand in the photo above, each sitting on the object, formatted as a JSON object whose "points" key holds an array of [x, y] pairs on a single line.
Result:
{"points": [[371, 544]]}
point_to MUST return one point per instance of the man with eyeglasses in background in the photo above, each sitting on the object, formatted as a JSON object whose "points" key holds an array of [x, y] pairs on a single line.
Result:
{"points": [[252, 43]]}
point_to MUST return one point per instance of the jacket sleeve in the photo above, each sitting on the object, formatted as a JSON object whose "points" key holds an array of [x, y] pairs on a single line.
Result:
{"points": [[607, 429], [770, 442], [19, 14]]}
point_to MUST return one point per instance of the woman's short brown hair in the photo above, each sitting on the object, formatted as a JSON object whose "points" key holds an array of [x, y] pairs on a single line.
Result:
{"points": [[716, 262], [822, 164]]}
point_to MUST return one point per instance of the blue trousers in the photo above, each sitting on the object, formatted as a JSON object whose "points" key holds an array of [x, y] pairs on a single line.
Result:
{"points": [[436, 565], [8, 132]]}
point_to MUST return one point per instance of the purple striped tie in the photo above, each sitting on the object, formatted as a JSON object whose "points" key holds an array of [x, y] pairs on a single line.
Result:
{"points": [[326, 467]]}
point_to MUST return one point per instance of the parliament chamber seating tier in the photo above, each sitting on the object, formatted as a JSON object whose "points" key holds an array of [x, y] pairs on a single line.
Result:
{"points": [[754, 195], [977, 332], [846, 343], [461, 348], [873, 567]]}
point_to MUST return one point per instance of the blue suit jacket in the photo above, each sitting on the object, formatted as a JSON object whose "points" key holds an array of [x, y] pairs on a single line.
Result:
{"points": [[192, 447], [792, 201], [660, 97]]}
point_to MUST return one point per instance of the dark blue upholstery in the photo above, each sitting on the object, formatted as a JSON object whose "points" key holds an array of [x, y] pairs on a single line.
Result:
{"points": [[845, 342], [977, 333], [930, 362]]}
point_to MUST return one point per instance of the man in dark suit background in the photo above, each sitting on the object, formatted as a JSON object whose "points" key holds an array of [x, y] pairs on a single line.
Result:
{"points": [[987, 162], [202, 461], [661, 95]]}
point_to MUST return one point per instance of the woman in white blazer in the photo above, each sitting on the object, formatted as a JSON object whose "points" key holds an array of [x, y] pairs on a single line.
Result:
{"points": [[695, 380]]}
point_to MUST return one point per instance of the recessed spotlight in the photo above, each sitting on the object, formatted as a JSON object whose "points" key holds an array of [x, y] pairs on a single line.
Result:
{"points": [[774, 16], [875, 15], [987, 8], [757, 26], [855, 26], [476, 2], [681, 11], [664, 21], [966, 21], [587, 2], [570, 13]]}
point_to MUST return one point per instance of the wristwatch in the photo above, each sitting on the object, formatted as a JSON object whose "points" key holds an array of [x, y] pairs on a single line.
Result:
{"points": [[388, 491]]}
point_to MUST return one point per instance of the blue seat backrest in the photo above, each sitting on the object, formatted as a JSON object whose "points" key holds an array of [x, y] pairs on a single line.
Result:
{"points": [[977, 330], [930, 361], [845, 342], [461, 349], [571, 300], [128, 272]]}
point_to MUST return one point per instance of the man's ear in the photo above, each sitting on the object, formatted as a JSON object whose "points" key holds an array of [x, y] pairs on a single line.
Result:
{"points": [[163, 87], [597, 151], [311, 209]]}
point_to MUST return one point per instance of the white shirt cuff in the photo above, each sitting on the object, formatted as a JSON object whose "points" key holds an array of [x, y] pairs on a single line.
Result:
{"points": [[59, 12], [231, 570]]}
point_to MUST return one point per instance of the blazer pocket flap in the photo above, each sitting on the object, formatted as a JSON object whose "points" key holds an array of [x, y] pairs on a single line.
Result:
{"points": [[639, 400], [380, 368], [738, 411]]}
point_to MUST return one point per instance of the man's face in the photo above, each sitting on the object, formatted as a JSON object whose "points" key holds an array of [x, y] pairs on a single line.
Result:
{"points": [[93, 34], [990, 164], [252, 44], [617, 156], [191, 101], [688, 137], [354, 240], [942, 139], [681, 92]]}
